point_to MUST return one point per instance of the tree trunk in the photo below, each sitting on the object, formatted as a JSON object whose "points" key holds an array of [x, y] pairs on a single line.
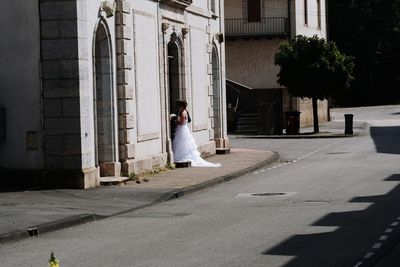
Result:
{"points": [[315, 114]]}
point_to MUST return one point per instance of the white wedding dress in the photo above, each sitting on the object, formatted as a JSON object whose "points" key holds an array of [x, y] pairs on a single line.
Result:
{"points": [[185, 148]]}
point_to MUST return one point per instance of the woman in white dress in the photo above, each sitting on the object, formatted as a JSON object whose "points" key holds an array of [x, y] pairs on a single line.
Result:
{"points": [[183, 145]]}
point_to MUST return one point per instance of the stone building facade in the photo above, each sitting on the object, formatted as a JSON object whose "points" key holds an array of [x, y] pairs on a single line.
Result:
{"points": [[88, 87], [254, 30]]}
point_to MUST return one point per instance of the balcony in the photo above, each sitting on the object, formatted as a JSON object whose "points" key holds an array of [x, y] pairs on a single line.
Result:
{"points": [[275, 27]]}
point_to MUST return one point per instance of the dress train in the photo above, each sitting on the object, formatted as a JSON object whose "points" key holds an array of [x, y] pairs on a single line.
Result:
{"points": [[185, 148]]}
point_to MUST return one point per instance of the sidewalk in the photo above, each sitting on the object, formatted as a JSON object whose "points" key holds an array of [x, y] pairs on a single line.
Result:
{"points": [[34, 212], [331, 129]]}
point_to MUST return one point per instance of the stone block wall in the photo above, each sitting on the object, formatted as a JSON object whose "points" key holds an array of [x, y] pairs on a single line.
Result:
{"points": [[306, 116], [64, 75], [125, 87]]}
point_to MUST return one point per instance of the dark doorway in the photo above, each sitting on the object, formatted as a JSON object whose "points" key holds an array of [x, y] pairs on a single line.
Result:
{"points": [[104, 97], [174, 73], [216, 84], [269, 105]]}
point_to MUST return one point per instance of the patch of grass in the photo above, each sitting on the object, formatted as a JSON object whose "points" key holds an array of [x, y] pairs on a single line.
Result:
{"points": [[144, 177]]}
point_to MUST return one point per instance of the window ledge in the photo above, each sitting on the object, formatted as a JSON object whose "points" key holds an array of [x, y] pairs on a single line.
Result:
{"points": [[178, 3]]}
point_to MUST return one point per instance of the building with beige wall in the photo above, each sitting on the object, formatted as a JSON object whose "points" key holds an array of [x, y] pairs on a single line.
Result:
{"points": [[88, 87], [254, 30]]}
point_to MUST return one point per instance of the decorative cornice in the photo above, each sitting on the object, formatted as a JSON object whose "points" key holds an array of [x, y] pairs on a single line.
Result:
{"points": [[107, 8], [178, 3]]}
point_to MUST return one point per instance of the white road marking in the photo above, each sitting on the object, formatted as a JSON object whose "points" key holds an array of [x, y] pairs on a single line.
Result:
{"points": [[383, 237], [377, 245], [368, 255], [296, 160]]}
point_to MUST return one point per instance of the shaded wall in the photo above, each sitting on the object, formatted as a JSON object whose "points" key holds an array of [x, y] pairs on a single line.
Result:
{"points": [[20, 93]]}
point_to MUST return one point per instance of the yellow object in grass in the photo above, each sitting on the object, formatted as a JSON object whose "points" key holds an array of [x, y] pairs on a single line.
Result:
{"points": [[53, 262]]}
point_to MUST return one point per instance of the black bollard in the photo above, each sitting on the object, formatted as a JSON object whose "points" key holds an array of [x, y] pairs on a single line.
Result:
{"points": [[348, 118]]}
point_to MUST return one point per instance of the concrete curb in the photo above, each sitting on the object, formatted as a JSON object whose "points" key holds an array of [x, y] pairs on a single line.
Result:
{"points": [[361, 130], [75, 220], [221, 179], [48, 227], [305, 136]]}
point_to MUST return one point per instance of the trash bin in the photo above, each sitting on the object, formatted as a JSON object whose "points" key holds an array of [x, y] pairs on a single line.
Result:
{"points": [[348, 118], [292, 122]]}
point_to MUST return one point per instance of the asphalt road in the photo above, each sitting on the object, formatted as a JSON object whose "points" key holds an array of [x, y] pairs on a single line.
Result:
{"points": [[327, 203]]}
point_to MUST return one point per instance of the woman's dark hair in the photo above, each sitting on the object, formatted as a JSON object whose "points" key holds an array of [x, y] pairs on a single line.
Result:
{"points": [[181, 103]]}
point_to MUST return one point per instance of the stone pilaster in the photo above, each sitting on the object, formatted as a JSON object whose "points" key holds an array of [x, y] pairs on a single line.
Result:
{"points": [[64, 60], [166, 124], [210, 78], [125, 90]]}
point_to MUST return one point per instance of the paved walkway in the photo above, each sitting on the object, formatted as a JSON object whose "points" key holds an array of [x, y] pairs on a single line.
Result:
{"points": [[32, 212]]}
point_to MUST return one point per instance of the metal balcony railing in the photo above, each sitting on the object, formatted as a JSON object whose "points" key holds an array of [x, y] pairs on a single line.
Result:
{"points": [[266, 27]]}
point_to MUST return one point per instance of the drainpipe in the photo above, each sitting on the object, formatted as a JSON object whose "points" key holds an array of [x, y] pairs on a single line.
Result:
{"points": [[326, 20], [42, 128], [289, 29], [222, 75]]}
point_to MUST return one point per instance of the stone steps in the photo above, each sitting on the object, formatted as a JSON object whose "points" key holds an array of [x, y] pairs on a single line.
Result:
{"points": [[112, 180], [247, 123]]}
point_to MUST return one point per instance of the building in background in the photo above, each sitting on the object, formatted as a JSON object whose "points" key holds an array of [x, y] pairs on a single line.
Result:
{"points": [[87, 87], [254, 29]]}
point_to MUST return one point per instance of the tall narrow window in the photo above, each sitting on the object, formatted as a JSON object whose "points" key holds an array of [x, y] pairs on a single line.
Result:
{"points": [[254, 10], [305, 12], [212, 6], [319, 13]]}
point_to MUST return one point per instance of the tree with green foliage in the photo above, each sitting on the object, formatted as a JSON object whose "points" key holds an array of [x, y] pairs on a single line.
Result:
{"points": [[314, 68]]}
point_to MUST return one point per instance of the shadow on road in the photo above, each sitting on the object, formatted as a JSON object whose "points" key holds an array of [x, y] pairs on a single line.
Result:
{"points": [[386, 139], [356, 232], [394, 177]]}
